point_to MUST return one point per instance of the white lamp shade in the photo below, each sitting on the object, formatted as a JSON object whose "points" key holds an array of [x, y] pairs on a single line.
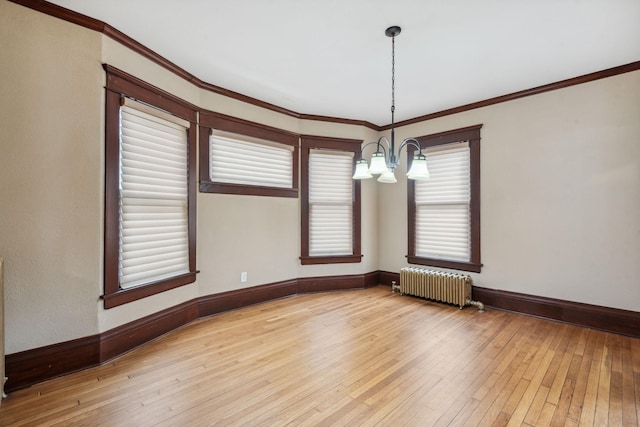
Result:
{"points": [[388, 177], [378, 163], [362, 170], [418, 168]]}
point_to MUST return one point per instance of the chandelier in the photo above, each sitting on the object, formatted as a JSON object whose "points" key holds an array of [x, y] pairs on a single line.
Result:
{"points": [[385, 159]]}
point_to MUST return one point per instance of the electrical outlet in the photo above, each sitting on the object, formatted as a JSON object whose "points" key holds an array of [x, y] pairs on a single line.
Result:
{"points": [[243, 276]]}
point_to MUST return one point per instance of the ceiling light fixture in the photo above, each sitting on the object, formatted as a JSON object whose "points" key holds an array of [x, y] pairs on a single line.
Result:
{"points": [[380, 165]]}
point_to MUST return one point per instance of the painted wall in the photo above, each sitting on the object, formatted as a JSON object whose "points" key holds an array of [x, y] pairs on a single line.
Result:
{"points": [[51, 171], [51, 198], [560, 194]]}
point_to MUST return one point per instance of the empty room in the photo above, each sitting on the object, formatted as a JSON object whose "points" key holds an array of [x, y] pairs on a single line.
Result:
{"points": [[320, 213]]}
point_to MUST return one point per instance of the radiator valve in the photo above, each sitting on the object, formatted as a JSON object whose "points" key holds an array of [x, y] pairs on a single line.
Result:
{"points": [[394, 286]]}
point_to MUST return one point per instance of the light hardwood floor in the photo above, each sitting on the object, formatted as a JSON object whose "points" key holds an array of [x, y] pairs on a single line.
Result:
{"points": [[366, 357]]}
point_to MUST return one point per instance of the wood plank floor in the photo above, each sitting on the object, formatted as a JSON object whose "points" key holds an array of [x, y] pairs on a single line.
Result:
{"points": [[366, 357]]}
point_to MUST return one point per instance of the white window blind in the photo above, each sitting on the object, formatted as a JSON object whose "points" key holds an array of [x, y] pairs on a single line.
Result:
{"points": [[154, 226], [443, 228], [238, 159], [330, 203]]}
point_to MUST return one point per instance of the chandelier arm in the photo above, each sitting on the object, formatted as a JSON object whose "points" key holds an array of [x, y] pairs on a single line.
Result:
{"points": [[386, 140], [410, 141], [378, 148]]}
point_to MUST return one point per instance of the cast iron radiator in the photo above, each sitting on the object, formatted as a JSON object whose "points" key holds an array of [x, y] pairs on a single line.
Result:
{"points": [[437, 285]]}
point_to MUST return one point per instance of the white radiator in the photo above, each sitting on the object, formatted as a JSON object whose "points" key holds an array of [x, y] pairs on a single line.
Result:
{"points": [[437, 285]]}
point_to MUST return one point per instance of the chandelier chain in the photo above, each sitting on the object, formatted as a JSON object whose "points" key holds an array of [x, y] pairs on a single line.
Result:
{"points": [[393, 76]]}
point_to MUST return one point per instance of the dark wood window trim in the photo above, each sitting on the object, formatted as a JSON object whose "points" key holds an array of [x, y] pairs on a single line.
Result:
{"points": [[121, 84], [210, 120], [317, 142], [471, 134]]}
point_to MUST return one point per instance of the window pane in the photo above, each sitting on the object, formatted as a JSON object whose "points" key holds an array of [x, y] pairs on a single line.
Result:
{"points": [[154, 223], [330, 231], [443, 232], [330, 203], [443, 220], [237, 160]]}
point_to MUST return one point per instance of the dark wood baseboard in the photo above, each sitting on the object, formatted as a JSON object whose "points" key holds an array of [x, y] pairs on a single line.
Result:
{"points": [[36, 365], [386, 278], [606, 319], [231, 300], [32, 366], [126, 337], [371, 279], [308, 285]]}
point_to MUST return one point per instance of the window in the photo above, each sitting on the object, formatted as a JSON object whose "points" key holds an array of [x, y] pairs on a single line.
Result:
{"points": [[444, 211], [330, 201], [149, 191], [242, 160], [241, 157], [154, 220]]}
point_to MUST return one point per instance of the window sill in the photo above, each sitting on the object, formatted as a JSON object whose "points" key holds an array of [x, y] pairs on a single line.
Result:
{"points": [[453, 265], [248, 190], [123, 296], [338, 259]]}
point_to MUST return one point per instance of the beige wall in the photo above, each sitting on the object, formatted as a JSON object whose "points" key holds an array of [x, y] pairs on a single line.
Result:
{"points": [[560, 178], [52, 203], [51, 171], [560, 193]]}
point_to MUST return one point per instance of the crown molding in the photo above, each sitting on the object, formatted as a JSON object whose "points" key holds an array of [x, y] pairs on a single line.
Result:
{"points": [[120, 37], [586, 78], [111, 32]]}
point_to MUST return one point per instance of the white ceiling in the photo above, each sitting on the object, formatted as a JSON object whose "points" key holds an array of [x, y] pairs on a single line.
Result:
{"points": [[332, 58]]}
